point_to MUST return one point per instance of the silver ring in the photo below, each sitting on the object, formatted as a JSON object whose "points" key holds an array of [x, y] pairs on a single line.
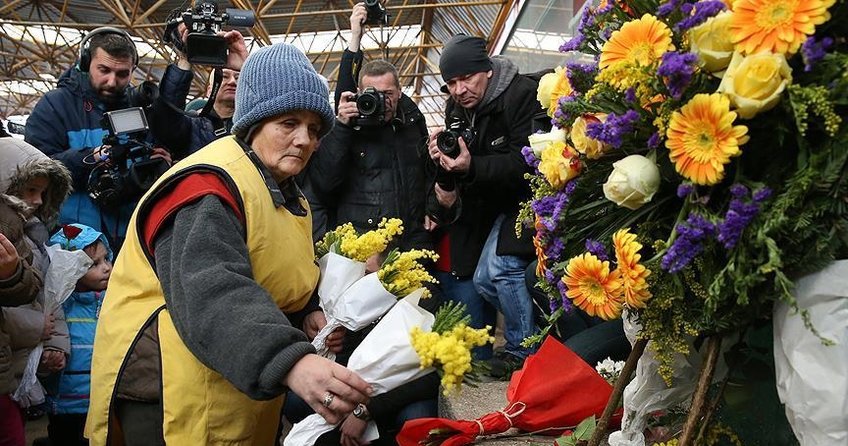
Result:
{"points": [[328, 399]]}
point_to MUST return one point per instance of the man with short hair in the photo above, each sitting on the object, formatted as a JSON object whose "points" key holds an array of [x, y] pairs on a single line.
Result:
{"points": [[367, 171], [184, 134], [478, 215], [66, 124]]}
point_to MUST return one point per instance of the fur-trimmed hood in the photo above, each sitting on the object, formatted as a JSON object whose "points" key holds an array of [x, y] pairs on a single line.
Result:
{"points": [[19, 163]]}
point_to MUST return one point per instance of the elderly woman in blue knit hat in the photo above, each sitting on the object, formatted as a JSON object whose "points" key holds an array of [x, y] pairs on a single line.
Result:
{"points": [[211, 305]]}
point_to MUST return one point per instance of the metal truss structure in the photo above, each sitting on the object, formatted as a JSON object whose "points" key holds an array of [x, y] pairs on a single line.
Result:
{"points": [[40, 39]]}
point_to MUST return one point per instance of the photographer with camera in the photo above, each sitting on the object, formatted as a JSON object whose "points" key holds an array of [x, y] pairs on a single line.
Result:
{"points": [[479, 184], [371, 164], [184, 134], [67, 125]]}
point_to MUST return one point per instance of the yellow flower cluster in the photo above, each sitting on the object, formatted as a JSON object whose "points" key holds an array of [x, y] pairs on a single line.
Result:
{"points": [[345, 241], [559, 164], [402, 273], [449, 352]]}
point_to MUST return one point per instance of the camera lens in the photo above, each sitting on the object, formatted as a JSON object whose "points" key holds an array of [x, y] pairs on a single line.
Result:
{"points": [[371, 3], [367, 104], [448, 144]]}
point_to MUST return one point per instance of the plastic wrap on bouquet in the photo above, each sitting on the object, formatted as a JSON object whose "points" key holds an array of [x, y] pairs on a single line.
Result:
{"points": [[337, 274], [66, 267], [385, 359], [554, 391], [648, 392], [812, 378]]}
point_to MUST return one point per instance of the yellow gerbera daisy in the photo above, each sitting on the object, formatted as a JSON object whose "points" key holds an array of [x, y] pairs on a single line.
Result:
{"points": [[592, 287], [701, 138], [778, 26], [639, 42], [632, 272]]}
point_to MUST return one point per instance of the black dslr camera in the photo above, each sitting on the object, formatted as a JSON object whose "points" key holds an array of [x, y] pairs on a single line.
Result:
{"points": [[203, 45], [448, 140], [127, 172], [377, 14], [371, 105], [448, 143]]}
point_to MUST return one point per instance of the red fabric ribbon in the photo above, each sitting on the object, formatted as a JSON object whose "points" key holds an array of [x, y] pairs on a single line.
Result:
{"points": [[554, 391]]}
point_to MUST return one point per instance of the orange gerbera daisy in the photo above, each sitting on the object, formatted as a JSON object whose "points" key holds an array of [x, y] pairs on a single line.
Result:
{"points": [[639, 42], [632, 272], [701, 138], [592, 287], [778, 26]]}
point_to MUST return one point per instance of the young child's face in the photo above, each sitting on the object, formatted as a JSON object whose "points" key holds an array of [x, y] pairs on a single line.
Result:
{"points": [[33, 192], [98, 274]]}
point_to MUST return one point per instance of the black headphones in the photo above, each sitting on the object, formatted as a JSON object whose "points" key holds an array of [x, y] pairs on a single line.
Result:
{"points": [[85, 46]]}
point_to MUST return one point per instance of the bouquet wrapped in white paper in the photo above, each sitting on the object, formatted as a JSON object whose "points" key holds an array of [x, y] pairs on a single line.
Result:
{"points": [[385, 359]]}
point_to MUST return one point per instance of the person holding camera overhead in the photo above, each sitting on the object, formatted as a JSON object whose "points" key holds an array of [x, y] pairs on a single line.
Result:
{"points": [[66, 125], [183, 134], [480, 183], [371, 164]]}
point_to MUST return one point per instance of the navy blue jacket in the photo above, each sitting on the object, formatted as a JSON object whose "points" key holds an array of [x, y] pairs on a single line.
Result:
{"points": [[65, 125]]}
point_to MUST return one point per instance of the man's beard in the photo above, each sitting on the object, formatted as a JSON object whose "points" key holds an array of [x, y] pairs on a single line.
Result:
{"points": [[118, 97]]}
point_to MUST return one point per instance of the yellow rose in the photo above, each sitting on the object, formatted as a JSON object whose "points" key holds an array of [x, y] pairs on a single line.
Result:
{"points": [[553, 86], [559, 164], [592, 148], [755, 83], [538, 141], [711, 42], [633, 182]]}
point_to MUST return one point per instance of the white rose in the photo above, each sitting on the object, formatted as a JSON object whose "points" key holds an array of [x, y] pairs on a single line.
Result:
{"points": [[539, 141], [633, 182]]}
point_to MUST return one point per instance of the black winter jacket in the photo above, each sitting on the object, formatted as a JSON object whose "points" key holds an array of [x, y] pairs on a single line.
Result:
{"points": [[495, 181], [362, 176], [182, 134]]}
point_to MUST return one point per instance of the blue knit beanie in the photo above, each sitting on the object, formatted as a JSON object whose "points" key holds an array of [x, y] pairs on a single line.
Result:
{"points": [[278, 79]]}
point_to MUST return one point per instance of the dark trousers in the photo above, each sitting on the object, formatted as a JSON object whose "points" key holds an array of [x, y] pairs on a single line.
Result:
{"points": [[140, 422], [66, 429]]}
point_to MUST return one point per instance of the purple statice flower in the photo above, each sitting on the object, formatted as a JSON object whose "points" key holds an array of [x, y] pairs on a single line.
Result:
{"points": [[739, 191], [607, 33], [572, 44], [703, 10], [612, 130], [740, 214], [654, 140], [685, 189], [529, 157], [562, 119], [813, 52], [606, 8], [549, 208], [691, 235], [630, 95], [677, 69], [554, 249], [597, 249], [566, 302], [667, 8], [581, 76]]}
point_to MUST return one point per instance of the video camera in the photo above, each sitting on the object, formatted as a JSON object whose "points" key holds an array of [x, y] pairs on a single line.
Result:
{"points": [[127, 172], [448, 143], [377, 14], [371, 105], [203, 45]]}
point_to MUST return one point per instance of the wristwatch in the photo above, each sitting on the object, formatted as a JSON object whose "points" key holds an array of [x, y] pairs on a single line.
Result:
{"points": [[361, 412]]}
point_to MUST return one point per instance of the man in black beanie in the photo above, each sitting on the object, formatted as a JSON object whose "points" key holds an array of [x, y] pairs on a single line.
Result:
{"points": [[478, 188]]}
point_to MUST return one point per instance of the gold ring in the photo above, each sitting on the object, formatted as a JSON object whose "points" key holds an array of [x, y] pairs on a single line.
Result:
{"points": [[328, 399]]}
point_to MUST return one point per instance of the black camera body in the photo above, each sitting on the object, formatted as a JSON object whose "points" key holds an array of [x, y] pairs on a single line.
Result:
{"points": [[203, 45], [371, 105], [377, 14], [127, 172], [448, 140]]}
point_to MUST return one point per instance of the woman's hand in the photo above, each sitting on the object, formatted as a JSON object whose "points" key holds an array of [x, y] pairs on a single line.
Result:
{"points": [[352, 429], [52, 361], [330, 389], [314, 322]]}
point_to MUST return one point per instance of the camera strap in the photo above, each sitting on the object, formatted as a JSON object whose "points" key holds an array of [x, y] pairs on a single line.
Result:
{"points": [[217, 78]]}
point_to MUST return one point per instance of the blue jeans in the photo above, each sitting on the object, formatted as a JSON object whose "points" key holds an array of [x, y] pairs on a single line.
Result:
{"points": [[462, 290], [500, 281]]}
